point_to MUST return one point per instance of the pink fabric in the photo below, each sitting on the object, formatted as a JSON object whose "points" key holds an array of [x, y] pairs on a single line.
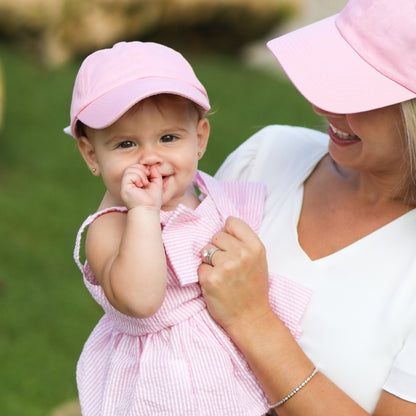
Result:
{"points": [[179, 361], [112, 80], [358, 60]]}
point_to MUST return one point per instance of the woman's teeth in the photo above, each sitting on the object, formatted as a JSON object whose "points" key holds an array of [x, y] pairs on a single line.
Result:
{"points": [[342, 134]]}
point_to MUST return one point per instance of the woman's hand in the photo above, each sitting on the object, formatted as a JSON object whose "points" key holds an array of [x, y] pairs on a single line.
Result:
{"points": [[235, 287]]}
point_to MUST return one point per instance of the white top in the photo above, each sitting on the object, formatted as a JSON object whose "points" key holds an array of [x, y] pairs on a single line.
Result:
{"points": [[360, 327]]}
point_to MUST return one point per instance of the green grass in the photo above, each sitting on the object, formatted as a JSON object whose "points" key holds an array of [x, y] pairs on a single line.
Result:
{"points": [[46, 191]]}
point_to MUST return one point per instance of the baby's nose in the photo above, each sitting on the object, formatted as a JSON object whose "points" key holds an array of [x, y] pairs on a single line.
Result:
{"points": [[150, 156]]}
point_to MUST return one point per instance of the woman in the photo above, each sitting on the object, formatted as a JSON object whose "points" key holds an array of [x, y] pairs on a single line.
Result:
{"points": [[340, 217]]}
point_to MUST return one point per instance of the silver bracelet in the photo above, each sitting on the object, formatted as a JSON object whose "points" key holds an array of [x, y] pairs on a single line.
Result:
{"points": [[291, 394]]}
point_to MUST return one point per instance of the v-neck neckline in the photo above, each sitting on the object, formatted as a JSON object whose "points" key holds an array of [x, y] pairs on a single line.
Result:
{"points": [[353, 245]]}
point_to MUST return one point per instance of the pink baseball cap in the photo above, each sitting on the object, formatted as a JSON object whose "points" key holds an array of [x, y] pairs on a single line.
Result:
{"points": [[358, 60], [110, 81]]}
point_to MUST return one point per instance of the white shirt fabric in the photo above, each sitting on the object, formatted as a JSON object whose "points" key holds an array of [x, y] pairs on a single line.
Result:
{"points": [[360, 326]]}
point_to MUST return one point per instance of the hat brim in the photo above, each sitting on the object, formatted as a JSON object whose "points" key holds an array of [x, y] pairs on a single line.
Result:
{"points": [[330, 74], [107, 109]]}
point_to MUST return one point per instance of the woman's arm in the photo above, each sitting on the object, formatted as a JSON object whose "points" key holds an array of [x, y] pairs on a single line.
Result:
{"points": [[391, 405], [237, 297]]}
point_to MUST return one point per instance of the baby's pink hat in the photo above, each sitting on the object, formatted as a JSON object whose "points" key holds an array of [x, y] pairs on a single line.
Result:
{"points": [[111, 81], [358, 60]]}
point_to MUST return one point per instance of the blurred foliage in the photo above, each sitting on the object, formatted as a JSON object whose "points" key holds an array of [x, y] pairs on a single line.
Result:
{"points": [[59, 30], [46, 191]]}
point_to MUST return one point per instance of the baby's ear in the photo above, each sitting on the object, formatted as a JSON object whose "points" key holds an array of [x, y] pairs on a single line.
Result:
{"points": [[88, 153], [203, 129]]}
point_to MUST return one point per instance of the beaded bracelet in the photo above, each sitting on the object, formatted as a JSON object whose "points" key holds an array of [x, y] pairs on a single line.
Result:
{"points": [[291, 394]]}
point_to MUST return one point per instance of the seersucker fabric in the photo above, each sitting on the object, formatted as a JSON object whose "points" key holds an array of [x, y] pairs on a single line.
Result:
{"points": [[179, 361]]}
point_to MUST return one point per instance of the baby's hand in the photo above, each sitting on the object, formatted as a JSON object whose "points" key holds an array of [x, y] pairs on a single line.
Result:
{"points": [[141, 186]]}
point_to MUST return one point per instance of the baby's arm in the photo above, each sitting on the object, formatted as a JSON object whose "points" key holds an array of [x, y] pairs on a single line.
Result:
{"points": [[125, 251]]}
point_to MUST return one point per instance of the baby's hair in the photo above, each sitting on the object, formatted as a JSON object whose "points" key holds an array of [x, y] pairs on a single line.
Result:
{"points": [[158, 101], [80, 129]]}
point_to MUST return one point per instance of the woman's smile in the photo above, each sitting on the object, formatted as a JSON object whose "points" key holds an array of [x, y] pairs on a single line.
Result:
{"points": [[341, 137]]}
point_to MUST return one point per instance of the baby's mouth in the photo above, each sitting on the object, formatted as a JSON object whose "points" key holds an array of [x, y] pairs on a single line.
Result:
{"points": [[165, 178]]}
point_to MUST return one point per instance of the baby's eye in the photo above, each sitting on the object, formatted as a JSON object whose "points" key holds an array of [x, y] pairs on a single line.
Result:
{"points": [[126, 144], [168, 138]]}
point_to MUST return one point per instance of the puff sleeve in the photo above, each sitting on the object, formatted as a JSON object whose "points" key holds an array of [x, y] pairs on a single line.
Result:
{"points": [[402, 378], [271, 156]]}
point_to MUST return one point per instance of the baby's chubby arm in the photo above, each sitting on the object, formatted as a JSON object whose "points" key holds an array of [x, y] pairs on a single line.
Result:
{"points": [[125, 251]]}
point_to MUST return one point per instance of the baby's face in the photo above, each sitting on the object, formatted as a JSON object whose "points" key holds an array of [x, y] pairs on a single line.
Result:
{"points": [[165, 133]]}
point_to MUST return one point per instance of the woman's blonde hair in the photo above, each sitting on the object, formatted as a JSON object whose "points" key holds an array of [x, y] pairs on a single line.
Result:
{"points": [[408, 109]]}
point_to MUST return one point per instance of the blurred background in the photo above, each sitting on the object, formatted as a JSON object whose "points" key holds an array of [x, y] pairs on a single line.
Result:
{"points": [[46, 314]]}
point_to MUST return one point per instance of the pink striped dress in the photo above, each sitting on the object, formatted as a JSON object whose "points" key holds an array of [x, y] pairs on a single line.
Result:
{"points": [[179, 362]]}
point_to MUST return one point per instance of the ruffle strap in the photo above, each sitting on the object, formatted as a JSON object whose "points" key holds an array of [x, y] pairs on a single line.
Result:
{"points": [[84, 225]]}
